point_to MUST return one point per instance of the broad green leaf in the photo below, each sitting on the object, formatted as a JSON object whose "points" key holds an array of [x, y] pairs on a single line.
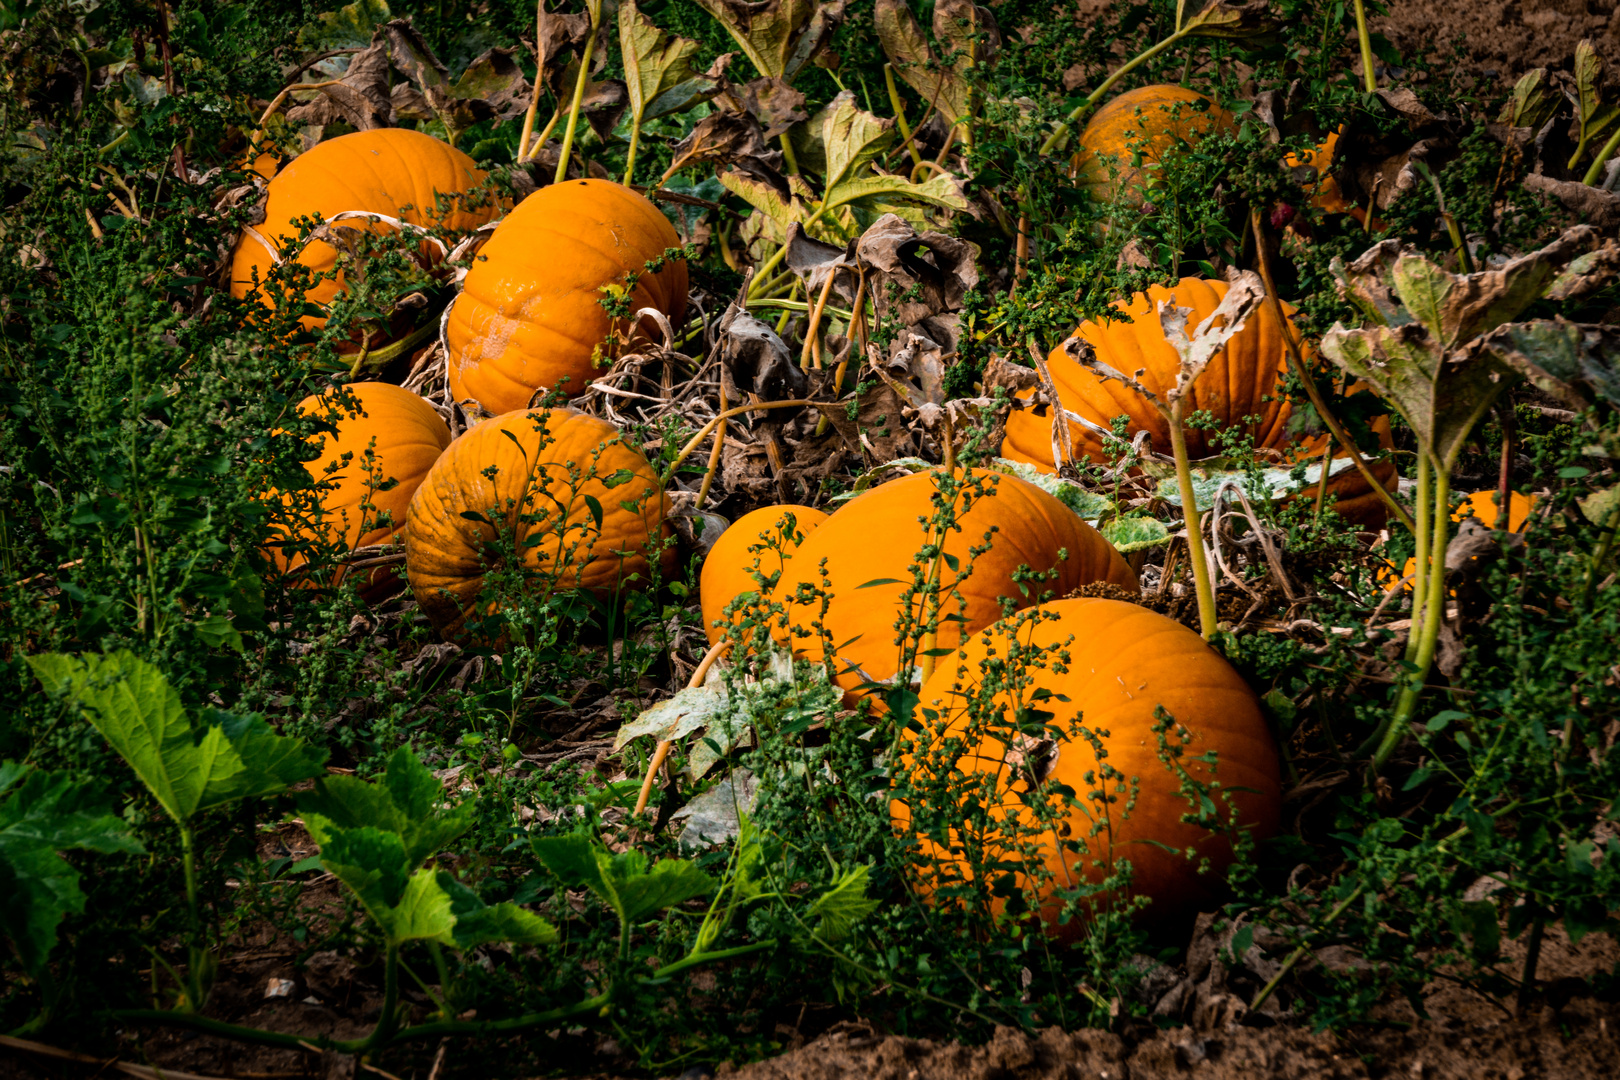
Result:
{"points": [[422, 914], [876, 193], [778, 208], [43, 816], [139, 713], [1135, 533], [1533, 101], [406, 906], [621, 881], [349, 27], [902, 39], [850, 138], [669, 882], [407, 803], [844, 904], [778, 36], [276, 761], [658, 70], [478, 923]]}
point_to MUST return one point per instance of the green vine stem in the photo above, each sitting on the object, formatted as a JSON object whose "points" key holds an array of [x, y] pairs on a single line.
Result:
{"points": [[579, 93], [1369, 78], [1602, 159], [195, 951], [1195, 530], [1434, 607]]}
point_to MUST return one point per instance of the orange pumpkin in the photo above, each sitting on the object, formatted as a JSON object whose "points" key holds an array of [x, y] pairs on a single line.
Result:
{"points": [[1123, 664], [729, 567], [392, 172], [1128, 139], [1240, 382], [868, 546], [530, 311], [1325, 192], [394, 440], [561, 488]]}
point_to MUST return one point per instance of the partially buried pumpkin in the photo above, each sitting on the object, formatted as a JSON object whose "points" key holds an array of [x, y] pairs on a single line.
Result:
{"points": [[530, 312], [868, 548], [372, 465], [1481, 505], [388, 172], [1120, 664], [1124, 147], [760, 541], [556, 491], [1239, 389]]}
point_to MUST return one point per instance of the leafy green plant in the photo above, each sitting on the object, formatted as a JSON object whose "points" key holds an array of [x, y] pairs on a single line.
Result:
{"points": [[189, 768]]}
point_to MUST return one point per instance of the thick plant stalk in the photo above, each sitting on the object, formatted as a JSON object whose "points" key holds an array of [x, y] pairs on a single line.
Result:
{"points": [[899, 108], [708, 429], [1434, 609], [195, 953], [579, 95], [1369, 79], [1195, 530], [714, 455], [539, 80], [815, 321], [1602, 159], [662, 752]]}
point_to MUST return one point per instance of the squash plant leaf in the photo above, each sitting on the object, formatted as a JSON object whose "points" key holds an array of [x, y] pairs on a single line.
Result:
{"points": [[46, 814], [133, 706], [658, 72], [844, 904], [622, 881], [1420, 349], [478, 923], [1574, 362], [778, 36], [408, 803], [1230, 21]]}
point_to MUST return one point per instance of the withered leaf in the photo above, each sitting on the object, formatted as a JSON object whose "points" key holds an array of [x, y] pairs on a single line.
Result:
{"points": [[659, 76], [361, 98], [900, 260], [778, 36]]}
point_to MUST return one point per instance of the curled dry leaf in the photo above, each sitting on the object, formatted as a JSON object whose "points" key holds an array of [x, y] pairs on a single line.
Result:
{"points": [[900, 260], [1573, 362], [755, 361], [770, 100], [966, 31], [778, 36], [360, 98], [733, 139]]}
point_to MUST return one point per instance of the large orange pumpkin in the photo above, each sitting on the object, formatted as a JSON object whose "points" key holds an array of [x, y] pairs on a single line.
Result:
{"points": [[1240, 382], [1123, 664], [728, 568], [374, 464], [530, 311], [1128, 139], [868, 547], [562, 488], [392, 172]]}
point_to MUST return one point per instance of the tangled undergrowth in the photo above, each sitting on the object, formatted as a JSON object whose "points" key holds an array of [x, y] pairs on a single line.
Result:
{"points": [[575, 828]]}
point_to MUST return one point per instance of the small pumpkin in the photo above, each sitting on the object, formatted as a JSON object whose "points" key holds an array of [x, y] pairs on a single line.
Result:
{"points": [[1326, 195], [1123, 663], [374, 463], [585, 510], [728, 569], [390, 172], [868, 546], [530, 311], [1240, 382], [1140, 129]]}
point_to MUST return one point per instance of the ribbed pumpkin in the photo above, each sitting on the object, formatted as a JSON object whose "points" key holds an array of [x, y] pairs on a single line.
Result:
{"points": [[728, 569], [529, 313], [1241, 381], [1124, 662], [404, 437], [394, 172], [549, 467], [877, 536], [1148, 124]]}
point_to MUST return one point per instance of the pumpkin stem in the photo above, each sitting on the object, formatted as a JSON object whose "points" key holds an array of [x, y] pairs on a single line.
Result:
{"points": [[1195, 528], [698, 675], [579, 93]]}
